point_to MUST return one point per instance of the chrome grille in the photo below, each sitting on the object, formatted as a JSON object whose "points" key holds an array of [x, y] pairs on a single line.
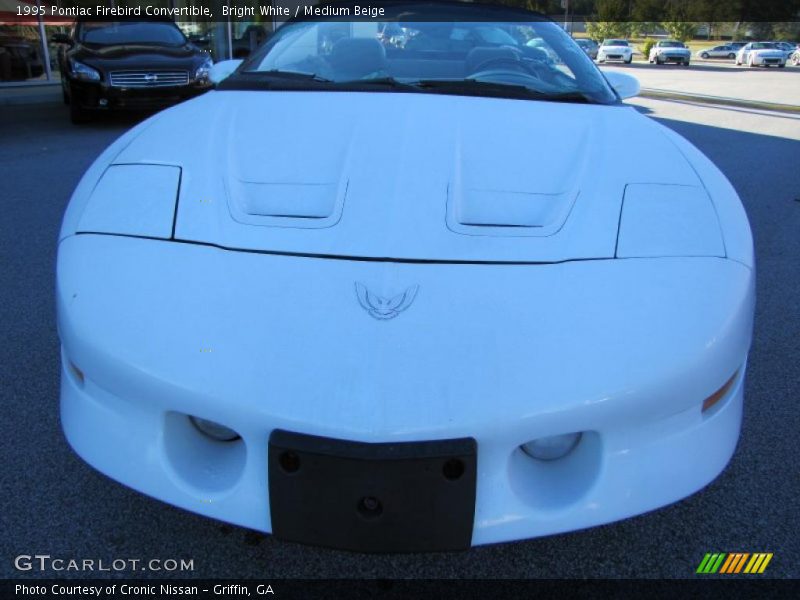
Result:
{"points": [[148, 79]]}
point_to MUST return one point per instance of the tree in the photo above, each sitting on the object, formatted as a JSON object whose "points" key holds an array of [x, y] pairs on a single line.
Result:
{"points": [[611, 20], [680, 30]]}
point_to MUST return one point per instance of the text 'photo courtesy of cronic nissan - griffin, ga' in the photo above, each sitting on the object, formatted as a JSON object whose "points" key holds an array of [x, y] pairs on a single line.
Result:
{"points": [[416, 311]]}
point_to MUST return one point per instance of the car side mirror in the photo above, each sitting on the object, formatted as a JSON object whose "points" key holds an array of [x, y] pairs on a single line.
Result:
{"points": [[223, 69], [61, 38], [627, 86]]}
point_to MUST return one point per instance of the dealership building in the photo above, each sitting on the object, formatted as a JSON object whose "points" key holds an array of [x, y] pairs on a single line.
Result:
{"points": [[29, 58]]}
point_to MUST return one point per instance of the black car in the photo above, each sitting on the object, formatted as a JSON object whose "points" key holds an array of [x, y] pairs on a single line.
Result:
{"points": [[129, 65]]}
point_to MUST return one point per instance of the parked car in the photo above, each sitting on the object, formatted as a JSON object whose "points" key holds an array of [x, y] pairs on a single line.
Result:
{"points": [[670, 51], [724, 51], [264, 318], [788, 48], [615, 50], [128, 65], [761, 54], [19, 59], [588, 46]]}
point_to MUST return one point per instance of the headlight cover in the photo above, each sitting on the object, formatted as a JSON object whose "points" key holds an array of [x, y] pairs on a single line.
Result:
{"points": [[133, 200], [668, 220], [83, 72]]}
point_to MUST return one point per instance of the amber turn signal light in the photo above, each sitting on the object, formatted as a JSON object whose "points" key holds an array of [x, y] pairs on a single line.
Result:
{"points": [[719, 394]]}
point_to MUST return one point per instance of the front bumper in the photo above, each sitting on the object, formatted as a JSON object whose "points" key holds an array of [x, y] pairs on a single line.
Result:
{"points": [[614, 56], [769, 60], [676, 58], [100, 96], [623, 350]]}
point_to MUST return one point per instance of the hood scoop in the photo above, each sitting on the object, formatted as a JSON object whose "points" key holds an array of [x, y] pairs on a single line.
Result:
{"points": [[528, 191], [285, 204], [496, 212]]}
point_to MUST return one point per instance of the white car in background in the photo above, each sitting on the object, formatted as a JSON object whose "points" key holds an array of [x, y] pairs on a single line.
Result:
{"points": [[667, 51], [787, 48], [761, 54], [615, 50]]}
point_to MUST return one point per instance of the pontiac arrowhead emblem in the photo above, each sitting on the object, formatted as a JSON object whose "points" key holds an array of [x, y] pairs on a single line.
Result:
{"points": [[385, 308]]}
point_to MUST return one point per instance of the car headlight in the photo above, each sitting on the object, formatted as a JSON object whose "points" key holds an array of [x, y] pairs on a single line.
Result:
{"points": [[83, 72], [202, 71]]}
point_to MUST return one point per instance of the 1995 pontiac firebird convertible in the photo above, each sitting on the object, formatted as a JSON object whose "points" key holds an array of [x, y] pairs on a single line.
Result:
{"points": [[404, 296]]}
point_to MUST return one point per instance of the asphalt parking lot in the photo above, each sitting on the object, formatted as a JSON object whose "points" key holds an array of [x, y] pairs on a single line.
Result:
{"points": [[53, 503], [719, 78]]}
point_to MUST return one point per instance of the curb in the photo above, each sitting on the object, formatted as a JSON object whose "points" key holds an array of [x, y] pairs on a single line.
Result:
{"points": [[719, 100]]}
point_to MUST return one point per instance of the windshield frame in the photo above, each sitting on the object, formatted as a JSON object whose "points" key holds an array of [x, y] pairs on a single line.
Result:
{"points": [[250, 74]]}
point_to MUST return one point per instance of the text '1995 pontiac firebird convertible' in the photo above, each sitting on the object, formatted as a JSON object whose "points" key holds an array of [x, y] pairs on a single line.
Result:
{"points": [[391, 297]]}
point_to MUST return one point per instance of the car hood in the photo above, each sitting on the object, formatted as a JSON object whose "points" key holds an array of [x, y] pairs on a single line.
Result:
{"points": [[405, 176], [136, 56]]}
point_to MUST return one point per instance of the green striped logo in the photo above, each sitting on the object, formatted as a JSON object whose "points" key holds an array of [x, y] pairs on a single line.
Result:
{"points": [[734, 562]]}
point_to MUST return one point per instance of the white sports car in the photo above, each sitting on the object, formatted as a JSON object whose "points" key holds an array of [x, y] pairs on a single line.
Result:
{"points": [[618, 50], [761, 54], [667, 51], [370, 298]]}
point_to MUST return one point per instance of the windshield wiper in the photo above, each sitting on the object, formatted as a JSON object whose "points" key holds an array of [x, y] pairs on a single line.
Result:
{"points": [[389, 82], [492, 88], [291, 75]]}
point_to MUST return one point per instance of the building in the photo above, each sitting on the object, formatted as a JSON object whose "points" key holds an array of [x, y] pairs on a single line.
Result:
{"points": [[27, 57]]}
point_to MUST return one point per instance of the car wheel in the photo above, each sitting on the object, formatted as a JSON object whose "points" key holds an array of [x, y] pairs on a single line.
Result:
{"points": [[731, 56], [781, 66], [629, 60], [704, 55]]}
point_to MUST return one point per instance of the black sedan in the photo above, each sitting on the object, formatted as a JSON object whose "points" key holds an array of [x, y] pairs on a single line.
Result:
{"points": [[129, 65]]}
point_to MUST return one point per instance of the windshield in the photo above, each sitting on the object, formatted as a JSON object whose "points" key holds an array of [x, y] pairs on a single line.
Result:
{"points": [[615, 43], [672, 45], [515, 58], [763, 46], [130, 32]]}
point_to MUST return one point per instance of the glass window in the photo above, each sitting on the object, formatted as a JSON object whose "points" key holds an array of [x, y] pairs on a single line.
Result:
{"points": [[537, 57], [130, 32]]}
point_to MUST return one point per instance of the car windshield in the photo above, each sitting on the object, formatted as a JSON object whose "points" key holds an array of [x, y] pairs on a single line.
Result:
{"points": [[516, 58], [615, 43], [672, 45], [130, 32], [763, 46]]}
